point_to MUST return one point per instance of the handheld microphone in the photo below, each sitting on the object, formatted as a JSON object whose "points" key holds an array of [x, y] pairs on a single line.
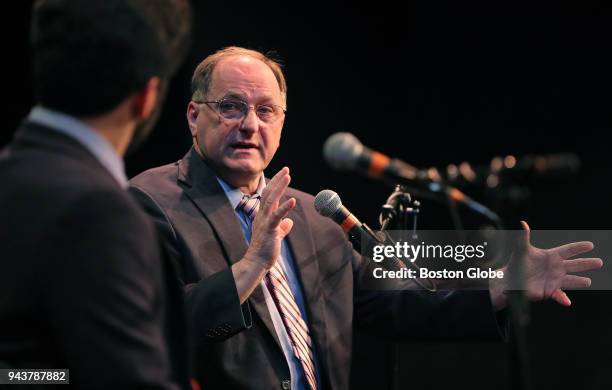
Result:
{"points": [[328, 204]]}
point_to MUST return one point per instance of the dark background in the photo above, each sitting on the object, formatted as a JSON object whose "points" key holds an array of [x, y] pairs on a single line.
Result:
{"points": [[432, 83]]}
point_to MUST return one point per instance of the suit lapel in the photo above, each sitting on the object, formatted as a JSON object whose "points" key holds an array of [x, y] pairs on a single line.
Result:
{"points": [[202, 187]]}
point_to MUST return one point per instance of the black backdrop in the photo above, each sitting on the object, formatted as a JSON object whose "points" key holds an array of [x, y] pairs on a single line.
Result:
{"points": [[432, 83]]}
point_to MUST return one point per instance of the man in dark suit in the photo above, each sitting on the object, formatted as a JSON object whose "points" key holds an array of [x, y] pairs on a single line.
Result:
{"points": [[274, 298], [83, 283]]}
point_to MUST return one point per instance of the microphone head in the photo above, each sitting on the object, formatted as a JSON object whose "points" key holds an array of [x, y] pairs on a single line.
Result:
{"points": [[327, 203], [342, 151]]}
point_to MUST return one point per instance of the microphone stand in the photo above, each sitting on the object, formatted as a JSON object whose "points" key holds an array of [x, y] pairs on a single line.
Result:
{"points": [[400, 209], [518, 305]]}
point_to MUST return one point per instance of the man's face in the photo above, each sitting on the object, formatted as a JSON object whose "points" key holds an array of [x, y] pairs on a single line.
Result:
{"points": [[239, 150]]}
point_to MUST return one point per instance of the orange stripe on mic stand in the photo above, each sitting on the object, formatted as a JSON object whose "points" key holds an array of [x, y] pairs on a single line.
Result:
{"points": [[456, 195], [378, 163], [348, 223]]}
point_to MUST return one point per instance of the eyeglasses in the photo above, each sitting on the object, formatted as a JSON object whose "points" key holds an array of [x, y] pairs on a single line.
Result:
{"points": [[236, 109]]}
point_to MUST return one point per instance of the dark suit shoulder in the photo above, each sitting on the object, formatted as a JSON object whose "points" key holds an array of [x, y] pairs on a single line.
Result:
{"points": [[158, 184], [41, 188], [109, 205], [43, 160], [163, 174], [51, 179]]}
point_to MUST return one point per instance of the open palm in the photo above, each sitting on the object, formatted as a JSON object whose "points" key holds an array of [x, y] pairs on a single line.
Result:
{"points": [[548, 271]]}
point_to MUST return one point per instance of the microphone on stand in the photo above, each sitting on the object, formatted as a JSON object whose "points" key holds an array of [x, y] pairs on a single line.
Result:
{"points": [[344, 152], [328, 204]]}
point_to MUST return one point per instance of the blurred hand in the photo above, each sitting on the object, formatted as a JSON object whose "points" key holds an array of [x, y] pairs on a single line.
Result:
{"points": [[548, 271]]}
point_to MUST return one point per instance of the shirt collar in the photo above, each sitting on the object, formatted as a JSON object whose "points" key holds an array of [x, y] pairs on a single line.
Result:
{"points": [[234, 195]]}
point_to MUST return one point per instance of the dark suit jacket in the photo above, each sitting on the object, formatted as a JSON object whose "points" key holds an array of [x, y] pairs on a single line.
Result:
{"points": [[83, 284], [238, 347]]}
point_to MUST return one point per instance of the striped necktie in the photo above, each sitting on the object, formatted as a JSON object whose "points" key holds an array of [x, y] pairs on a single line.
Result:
{"points": [[277, 284]]}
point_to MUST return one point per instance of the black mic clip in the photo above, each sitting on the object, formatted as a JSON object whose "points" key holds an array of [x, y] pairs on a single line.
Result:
{"points": [[398, 209], [366, 238]]}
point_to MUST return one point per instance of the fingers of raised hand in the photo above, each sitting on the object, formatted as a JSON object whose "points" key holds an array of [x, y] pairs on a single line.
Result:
{"points": [[572, 249], [582, 264], [274, 191]]}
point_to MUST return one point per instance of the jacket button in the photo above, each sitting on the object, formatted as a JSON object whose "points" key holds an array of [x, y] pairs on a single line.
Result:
{"points": [[286, 385]]}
